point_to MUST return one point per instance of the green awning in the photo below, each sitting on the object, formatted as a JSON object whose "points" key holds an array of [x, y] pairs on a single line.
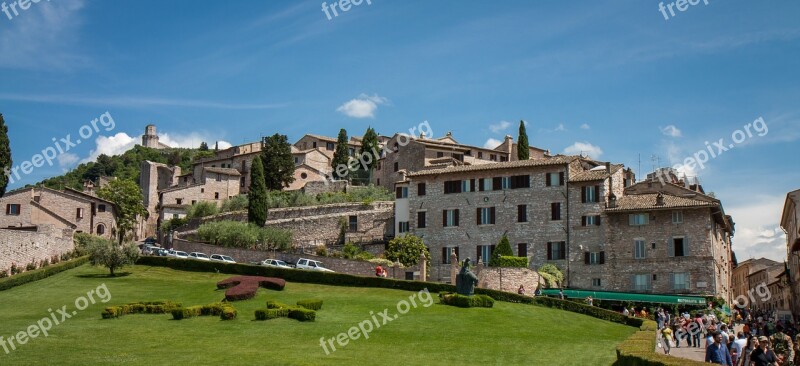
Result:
{"points": [[626, 296]]}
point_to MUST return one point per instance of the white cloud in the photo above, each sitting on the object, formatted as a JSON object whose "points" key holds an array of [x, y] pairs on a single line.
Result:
{"points": [[585, 126], [67, 159], [362, 107], [43, 37], [584, 148], [492, 143], [500, 126], [671, 131], [758, 232]]}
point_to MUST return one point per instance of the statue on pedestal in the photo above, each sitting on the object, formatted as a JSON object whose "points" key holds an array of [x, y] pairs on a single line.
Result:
{"points": [[466, 280]]}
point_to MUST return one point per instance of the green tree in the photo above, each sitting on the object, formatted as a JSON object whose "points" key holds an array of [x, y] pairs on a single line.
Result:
{"points": [[127, 197], [257, 197], [5, 156], [523, 148], [406, 249], [203, 146], [105, 253], [202, 209], [341, 156], [278, 164], [503, 249]]}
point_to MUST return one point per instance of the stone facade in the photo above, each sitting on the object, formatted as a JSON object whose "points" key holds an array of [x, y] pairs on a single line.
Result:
{"points": [[338, 265], [790, 223], [35, 244], [67, 209]]}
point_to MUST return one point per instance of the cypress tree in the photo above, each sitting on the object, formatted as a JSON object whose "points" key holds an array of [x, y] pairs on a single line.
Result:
{"points": [[5, 156], [523, 152], [257, 206]]}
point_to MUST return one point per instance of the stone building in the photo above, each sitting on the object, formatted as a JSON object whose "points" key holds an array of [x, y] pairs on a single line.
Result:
{"points": [[740, 280], [150, 138], [64, 210], [790, 223], [586, 217], [412, 153]]}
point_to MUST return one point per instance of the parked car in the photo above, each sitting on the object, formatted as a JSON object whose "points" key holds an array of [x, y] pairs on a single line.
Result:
{"points": [[275, 263], [222, 258], [177, 254], [198, 255], [312, 265]]}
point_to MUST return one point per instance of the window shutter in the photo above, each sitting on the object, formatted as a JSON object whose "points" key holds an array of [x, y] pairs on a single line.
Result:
{"points": [[603, 257], [587, 257], [686, 246], [671, 247], [478, 216], [597, 193], [561, 178], [547, 179], [456, 217], [549, 251], [597, 222], [444, 218], [492, 211], [583, 194]]}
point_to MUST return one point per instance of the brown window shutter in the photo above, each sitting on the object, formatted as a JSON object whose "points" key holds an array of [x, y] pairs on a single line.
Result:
{"points": [[549, 251], [456, 217], [603, 257], [478, 216], [493, 214], [586, 257]]}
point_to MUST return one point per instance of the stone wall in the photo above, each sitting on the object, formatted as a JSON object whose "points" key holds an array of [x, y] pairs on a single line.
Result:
{"points": [[338, 265], [23, 246]]}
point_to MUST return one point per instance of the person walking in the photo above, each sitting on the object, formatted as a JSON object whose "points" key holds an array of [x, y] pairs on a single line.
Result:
{"points": [[718, 353]]}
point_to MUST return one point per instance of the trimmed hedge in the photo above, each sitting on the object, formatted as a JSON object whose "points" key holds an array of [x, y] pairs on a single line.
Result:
{"points": [[475, 301], [638, 350], [223, 310], [512, 261], [313, 304], [245, 287], [303, 315], [154, 307], [269, 314], [341, 279], [40, 274]]}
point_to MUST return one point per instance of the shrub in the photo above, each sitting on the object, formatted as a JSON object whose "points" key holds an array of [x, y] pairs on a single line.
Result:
{"points": [[39, 274], [245, 287], [303, 315], [511, 261], [474, 301], [313, 304]]}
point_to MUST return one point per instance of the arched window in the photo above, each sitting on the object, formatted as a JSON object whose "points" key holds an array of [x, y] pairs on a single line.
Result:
{"points": [[101, 229]]}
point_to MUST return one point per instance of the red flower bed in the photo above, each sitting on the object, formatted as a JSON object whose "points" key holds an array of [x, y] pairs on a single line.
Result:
{"points": [[245, 287]]}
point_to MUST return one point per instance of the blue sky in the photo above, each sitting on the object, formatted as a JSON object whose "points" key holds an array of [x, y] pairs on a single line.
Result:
{"points": [[610, 78]]}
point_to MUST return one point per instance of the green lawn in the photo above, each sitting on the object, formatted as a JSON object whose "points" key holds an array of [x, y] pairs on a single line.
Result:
{"points": [[506, 334]]}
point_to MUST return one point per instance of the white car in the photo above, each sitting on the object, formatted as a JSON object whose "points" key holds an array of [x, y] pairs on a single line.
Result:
{"points": [[177, 254], [275, 263], [312, 265], [198, 255], [222, 258]]}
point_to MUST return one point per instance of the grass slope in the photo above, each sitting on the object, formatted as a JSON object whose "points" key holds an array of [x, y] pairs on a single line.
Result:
{"points": [[507, 334]]}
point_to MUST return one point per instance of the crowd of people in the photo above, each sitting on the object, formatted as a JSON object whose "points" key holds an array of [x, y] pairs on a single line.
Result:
{"points": [[761, 340]]}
